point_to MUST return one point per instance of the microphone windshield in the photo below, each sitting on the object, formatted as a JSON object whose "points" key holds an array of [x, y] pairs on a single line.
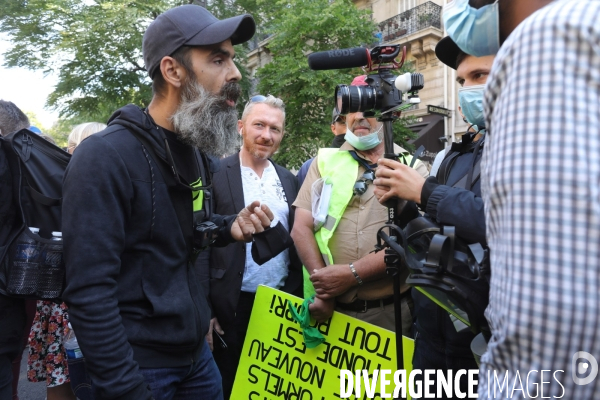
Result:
{"points": [[339, 59]]}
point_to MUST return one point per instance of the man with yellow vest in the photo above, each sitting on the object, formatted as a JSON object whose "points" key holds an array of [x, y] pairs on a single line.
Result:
{"points": [[337, 256]]}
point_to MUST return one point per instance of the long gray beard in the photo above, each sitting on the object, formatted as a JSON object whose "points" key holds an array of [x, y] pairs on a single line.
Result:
{"points": [[205, 121]]}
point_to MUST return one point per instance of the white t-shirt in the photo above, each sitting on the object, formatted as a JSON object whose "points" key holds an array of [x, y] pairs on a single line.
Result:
{"points": [[268, 190]]}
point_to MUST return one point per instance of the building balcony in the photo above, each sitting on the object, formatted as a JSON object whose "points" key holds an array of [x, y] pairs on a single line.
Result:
{"points": [[421, 17], [257, 41]]}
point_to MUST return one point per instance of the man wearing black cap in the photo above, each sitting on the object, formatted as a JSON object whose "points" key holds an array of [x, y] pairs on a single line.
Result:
{"points": [[441, 342], [137, 210]]}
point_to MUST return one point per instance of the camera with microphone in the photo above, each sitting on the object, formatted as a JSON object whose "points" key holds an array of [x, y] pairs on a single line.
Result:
{"points": [[384, 91]]}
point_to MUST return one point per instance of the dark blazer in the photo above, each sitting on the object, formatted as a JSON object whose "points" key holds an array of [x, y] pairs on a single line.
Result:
{"points": [[227, 263]]}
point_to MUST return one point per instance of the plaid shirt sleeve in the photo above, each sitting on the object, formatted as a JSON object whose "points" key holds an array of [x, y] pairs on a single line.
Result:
{"points": [[541, 185]]}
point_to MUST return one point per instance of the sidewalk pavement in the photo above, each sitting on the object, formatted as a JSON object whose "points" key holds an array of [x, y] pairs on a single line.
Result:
{"points": [[29, 390]]}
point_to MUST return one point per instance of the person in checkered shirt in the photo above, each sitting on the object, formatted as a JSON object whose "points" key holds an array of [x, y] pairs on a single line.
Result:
{"points": [[541, 188]]}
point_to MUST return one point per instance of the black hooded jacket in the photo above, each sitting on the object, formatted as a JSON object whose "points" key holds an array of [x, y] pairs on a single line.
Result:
{"points": [[133, 294]]}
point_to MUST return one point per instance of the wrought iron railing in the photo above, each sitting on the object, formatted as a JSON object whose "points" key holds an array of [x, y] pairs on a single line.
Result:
{"points": [[417, 18]]}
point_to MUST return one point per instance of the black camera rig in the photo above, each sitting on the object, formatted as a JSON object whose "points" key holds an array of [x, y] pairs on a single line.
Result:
{"points": [[384, 90], [383, 98]]}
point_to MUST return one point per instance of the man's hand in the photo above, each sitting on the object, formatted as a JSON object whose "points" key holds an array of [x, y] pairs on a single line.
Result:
{"points": [[322, 310], [253, 219], [332, 281], [214, 324], [395, 179]]}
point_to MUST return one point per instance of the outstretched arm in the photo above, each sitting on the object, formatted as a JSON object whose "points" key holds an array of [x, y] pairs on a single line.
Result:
{"points": [[446, 205]]}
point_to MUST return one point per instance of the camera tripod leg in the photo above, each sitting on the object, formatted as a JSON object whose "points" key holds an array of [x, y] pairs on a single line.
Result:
{"points": [[398, 317], [398, 322]]}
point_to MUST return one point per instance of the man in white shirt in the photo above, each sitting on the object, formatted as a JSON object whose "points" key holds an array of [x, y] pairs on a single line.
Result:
{"points": [[235, 276]]}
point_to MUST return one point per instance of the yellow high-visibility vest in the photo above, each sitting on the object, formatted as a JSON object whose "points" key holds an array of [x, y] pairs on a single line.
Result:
{"points": [[338, 168]]}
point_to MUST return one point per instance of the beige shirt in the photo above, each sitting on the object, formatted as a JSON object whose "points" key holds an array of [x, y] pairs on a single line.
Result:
{"points": [[356, 233]]}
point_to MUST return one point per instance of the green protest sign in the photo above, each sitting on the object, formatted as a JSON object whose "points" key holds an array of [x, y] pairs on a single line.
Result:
{"points": [[276, 364]]}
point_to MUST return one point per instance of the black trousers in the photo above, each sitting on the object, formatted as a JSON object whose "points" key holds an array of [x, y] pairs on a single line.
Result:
{"points": [[228, 359], [12, 331], [438, 345]]}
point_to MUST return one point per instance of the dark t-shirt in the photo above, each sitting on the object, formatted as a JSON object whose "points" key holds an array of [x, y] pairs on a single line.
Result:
{"points": [[183, 155]]}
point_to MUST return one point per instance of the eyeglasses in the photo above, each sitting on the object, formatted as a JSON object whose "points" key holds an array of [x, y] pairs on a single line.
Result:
{"points": [[272, 101], [341, 119], [257, 98], [361, 185]]}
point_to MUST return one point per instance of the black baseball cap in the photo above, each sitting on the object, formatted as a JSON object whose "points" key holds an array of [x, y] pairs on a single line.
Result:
{"points": [[447, 52], [191, 25]]}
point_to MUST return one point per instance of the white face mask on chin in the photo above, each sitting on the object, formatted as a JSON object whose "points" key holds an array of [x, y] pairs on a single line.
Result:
{"points": [[367, 142]]}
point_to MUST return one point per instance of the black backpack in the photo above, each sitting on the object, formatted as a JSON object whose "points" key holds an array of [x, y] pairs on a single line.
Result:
{"points": [[31, 176]]}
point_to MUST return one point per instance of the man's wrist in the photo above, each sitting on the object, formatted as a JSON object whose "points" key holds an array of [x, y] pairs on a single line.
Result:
{"points": [[355, 274], [419, 192]]}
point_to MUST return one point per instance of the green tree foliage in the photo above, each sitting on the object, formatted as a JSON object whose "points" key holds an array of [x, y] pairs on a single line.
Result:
{"points": [[62, 128], [33, 120], [94, 46], [301, 27], [229, 8]]}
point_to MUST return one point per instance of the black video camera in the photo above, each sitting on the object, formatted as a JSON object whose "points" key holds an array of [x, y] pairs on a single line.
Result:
{"points": [[381, 94], [384, 90]]}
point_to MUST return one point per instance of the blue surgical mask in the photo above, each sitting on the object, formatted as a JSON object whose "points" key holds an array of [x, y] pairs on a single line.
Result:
{"points": [[471, 103], [475, 31], [367, 142]]}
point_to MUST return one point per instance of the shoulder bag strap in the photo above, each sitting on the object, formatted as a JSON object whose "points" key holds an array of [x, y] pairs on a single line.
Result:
{"points": [[442, 174], [175, 195]]}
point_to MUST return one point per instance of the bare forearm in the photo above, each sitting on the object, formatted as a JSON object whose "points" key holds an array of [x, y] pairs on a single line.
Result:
{"points": [[307, 248], [371, 267], [304, 240], [336, 279]]}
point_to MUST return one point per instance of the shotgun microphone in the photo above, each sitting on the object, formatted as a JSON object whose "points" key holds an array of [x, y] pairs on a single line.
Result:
{"points": [[339, 59]]}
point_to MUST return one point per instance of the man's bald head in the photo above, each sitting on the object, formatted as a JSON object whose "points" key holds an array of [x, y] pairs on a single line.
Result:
{"points": [[12, 119]]}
